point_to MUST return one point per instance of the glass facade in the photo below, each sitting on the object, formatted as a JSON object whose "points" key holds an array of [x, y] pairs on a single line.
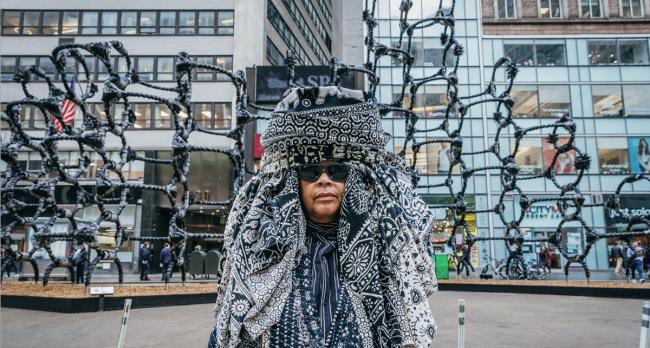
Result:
{"points": [[599, 81], [112, 22]]}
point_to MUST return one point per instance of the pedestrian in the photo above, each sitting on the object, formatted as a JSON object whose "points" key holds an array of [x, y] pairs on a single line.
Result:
{"points": [[617, 257], [646, 261], [80, 260], [545, 258], [635, 261], [165, 260], [329, 245], [144, 261]]}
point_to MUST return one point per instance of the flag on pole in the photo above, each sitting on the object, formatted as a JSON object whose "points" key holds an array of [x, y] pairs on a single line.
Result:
{"points": [[68, 110]]}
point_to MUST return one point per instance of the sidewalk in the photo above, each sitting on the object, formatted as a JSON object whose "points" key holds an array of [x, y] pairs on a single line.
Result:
{"points": [[576, 274]]}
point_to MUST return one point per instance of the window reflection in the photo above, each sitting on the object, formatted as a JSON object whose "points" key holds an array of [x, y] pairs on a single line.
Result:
{"points": [[554, 101], [607, 100], [529, 156], [612, 156], [526, 101]]}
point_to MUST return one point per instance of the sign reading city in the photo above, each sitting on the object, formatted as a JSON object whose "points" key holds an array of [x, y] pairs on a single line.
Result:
{"points": [[272, 82]]}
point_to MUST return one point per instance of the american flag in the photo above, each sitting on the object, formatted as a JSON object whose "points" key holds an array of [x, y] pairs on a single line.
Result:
{"points": [[68, 110]]}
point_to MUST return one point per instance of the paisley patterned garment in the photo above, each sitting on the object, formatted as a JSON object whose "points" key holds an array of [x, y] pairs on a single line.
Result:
{"points": [[266, 296]]}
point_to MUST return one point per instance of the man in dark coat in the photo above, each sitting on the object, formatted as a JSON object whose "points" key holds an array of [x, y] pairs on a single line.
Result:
{"points": [[144, 260], [165, 260], [80, 259]]}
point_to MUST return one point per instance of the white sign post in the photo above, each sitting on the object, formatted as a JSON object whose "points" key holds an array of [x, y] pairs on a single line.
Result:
{"points": [[125, 320]]}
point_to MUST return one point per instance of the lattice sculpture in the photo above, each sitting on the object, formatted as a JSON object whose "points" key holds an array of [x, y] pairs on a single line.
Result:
{"points": [[452, 116], [91, 135]]}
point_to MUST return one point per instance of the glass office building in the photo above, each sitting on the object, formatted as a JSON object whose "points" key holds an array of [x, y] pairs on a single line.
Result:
{"points": [[602, 80]]}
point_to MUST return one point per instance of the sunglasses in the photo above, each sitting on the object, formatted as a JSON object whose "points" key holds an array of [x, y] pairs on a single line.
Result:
{"points": [[311, 172]]}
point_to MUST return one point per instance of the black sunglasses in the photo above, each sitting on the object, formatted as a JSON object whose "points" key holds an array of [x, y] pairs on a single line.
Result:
{"points": [[311, 172]]}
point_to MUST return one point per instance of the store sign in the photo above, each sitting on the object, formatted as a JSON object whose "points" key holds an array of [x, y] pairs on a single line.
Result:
{"points": [[631, 206], [541, 214], [272, 81]]}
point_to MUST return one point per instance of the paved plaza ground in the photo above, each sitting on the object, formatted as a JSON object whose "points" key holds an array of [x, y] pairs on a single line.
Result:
{"points": [[493, 320]]}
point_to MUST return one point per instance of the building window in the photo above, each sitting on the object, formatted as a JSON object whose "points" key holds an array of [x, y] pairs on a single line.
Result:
{"points": [[203, 74], [10, 22], [145, 68], [109, 23], [554, 101], [222, 115], [506, 9], [550, 54], [628, 51], [633, 51], [51, 23], [226, 64], [167, 23], [31, 22], [142, 115], [89, 23], [226, 23], [602, 52], [203, 114], [128, 23], [590, 9], [636, 101], [70, 23], [113, 22], [162, 116], [529, 156], [631, 8], [526, 101], [8, 68], [521, 54], [148, 22], [46, 64], [607, 100], [612, 156], [165, 69], [550, 8], [186, 22], [273, 54], [564, 162], [542, 53], [206, 22]]}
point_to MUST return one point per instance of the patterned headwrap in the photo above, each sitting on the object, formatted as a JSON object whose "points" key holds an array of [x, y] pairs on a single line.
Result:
{"points": [[383, 235]]}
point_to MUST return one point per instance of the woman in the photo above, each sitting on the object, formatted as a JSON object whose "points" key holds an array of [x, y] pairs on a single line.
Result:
{"points": [[643, 156], [328, 245]]}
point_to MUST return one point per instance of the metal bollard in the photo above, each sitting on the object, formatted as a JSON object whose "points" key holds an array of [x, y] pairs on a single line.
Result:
{"points": [[461, 323], [645, 324], [125, 319]]}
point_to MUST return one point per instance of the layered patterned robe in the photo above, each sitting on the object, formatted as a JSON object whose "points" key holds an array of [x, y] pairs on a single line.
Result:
{"points": [[383, 253]]}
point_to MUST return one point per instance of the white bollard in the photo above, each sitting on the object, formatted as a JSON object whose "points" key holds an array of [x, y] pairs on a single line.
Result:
{"points": [[461, 323], [125, 319], [645, 324]]}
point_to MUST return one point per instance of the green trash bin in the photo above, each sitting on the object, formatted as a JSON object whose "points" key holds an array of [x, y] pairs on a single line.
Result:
{"points": [[442, 265]]}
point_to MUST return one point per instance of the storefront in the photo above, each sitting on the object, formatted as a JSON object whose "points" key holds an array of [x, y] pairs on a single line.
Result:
{"points": [[443, 226], [631, 206], [540, 223]]}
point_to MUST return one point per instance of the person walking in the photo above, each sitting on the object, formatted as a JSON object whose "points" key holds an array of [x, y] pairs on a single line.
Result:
{"points": [[80, 260], [635, 261], [617, 257], [165, 260], [144, 261], [545, 258]]}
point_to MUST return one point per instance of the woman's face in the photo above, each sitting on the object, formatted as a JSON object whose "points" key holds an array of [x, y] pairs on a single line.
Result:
{"points": [[322, 198]]}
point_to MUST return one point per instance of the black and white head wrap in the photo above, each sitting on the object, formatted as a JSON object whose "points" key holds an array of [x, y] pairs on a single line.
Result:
{"points": [[383, 236]]}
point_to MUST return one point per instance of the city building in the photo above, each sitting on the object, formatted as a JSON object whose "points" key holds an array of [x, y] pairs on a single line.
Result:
{"points": [[233, 34], [585, 58]]}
